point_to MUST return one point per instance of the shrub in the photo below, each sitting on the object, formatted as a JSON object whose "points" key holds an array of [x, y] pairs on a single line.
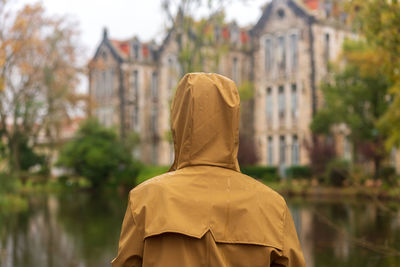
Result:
{"points": [[266, 173], [296, 172], [8, 183], [321, 152], [337, 172], [388, 175], [127, 175], [358, 174], [97, 154], [148, 172]]}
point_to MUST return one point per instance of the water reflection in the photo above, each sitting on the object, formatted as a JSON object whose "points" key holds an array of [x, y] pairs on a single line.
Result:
{"points": [[83, 230], [348, 233], [69, 230]]}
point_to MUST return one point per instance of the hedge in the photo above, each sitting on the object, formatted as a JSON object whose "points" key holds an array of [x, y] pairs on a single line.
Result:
{"points": [[296, 172], [266, 173]]}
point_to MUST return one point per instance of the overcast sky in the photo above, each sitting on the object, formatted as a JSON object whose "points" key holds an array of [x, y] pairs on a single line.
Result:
{"points": [[126, 18]]}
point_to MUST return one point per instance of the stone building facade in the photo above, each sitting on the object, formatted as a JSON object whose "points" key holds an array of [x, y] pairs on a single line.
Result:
{"points": [[284, 56]]}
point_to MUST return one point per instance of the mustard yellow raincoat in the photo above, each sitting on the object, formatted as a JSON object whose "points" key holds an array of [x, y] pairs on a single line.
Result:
{"points": [[205, 212]]}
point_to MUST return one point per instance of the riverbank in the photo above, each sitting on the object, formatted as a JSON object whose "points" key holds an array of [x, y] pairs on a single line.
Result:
{"points": [[307, 189]]}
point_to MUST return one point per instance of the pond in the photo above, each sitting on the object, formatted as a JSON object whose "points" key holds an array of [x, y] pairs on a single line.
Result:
{"points": [[82, 230]]}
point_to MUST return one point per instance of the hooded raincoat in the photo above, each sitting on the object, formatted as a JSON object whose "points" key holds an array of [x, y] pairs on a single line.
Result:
{"points": [[205, 212]]}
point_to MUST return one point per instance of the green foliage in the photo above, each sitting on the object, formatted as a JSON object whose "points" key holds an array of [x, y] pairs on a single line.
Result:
{"points": [[356, 96], [148, 172], [358, 175], [246, 90], [388, 175], [127, 176], [379, 22], [168, 137], [337, 172], [97, 154], [23, 154], [266, 173], [8, 183], [296, 172], [10, 201], [132, 140], [390, 122]]}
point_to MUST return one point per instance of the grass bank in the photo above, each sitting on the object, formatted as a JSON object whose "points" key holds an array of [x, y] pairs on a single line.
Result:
{"points": [[307, 189]]}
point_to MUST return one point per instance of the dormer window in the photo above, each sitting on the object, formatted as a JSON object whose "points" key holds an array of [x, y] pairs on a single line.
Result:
{"points": [[281, 13], [217, 33], [328, 8], [136, 50], [235, 35], [154, 53]]}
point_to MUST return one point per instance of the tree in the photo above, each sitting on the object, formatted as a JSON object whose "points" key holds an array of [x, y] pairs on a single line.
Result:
{"points": [[357, 97], [97, 154], [38, 76], [198, 47], [378, 21]]}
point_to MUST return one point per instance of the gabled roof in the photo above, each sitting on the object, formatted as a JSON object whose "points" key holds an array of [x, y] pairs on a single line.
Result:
{"points": [[122, 47], [312, 4], [298, 8], [108, 43]]}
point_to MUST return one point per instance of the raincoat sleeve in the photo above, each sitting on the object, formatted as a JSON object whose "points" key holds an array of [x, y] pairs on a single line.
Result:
{"points": [[130, 248], [292, 255]]}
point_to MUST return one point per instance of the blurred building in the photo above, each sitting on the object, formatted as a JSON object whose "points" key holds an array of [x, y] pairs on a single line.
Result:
{"points": [[284, 56]]}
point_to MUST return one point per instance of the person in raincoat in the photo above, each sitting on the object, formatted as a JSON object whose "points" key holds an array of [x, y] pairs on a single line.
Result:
{"points": [[204, 211]]}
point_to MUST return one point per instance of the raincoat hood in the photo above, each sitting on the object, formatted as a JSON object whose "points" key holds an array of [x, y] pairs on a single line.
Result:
{"points": [[205, 121]]}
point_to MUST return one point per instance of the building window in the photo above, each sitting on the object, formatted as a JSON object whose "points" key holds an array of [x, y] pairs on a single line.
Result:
{"points": [[104, 85], [327, 48], [154, 153], [281, 102], [171, 76], [294, 100], [234, 34], [136, 50], [135, 85], [268, 55], [154, 86], [295, 150], [135, 99], [281, 13], [270, 149], [282, 150], [136, 152], [110, 82], [294, 51], [217, 33], [328, 8], [153, 121], [235, 70], [281, 53], [346, 148], [99, 85], [269, 106]]}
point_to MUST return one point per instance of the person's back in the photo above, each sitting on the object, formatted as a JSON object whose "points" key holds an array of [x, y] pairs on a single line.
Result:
{"points": [[204, 212]]}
